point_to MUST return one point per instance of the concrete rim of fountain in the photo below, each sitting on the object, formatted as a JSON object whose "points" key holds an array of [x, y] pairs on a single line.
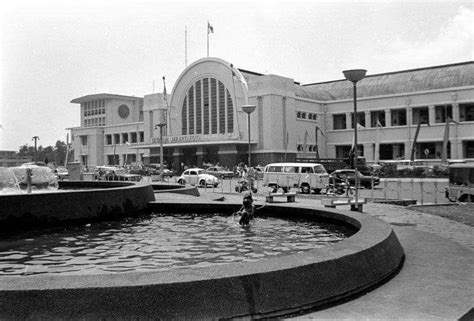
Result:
{"points": [[266, 288]]}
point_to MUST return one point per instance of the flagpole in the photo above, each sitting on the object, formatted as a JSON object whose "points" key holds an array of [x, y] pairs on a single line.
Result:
{"points": [[413, 148], [316, 142], [185, 46], [208, 39]]}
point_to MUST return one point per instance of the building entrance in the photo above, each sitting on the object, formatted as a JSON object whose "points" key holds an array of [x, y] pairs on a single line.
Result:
{"points": [[190, 157]]}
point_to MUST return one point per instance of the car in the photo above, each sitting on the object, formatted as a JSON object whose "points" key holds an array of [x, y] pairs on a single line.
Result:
{"points": [[197, 176], [154, 169], [110, 173], [220, 172], [61, 173], [340, 175]]}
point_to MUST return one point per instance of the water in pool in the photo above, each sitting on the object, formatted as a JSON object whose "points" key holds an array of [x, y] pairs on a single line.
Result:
{"points": [[160, 242]]}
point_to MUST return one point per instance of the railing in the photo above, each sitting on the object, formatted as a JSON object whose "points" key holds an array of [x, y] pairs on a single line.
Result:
{"points": [[423, 190]]}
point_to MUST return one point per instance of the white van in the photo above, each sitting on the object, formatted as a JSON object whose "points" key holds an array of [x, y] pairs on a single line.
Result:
{"points": [[461, 182], [305, 176]]}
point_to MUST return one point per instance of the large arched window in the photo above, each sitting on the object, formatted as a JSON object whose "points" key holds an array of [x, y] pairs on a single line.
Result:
{"points": [[208, 108]]}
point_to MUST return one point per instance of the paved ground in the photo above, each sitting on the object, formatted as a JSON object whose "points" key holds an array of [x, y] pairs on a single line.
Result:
{"points": [[436, 282]]}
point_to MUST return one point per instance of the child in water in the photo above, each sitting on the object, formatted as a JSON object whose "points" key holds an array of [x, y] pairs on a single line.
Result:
{"points": [[247, 211]]}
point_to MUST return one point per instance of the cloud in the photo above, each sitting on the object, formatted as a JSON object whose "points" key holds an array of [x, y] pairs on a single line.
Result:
{"points": [[454, 43]]}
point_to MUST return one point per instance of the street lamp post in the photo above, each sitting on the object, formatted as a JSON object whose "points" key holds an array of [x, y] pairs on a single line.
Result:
{"points": [[355, 75], [35, 138], [249, 109], [161, 125]]}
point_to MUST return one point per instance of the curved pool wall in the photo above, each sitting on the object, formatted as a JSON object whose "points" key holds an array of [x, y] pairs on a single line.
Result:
{"points": [[175, 188], [266, 288], [75, 201]]}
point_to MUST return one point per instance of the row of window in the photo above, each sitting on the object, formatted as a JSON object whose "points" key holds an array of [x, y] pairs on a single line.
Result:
{"points": [[207, 109], [125, 138], [398, 117], [99, 121], [92, 108], [310, 148], [424, 150], [305, 115]]}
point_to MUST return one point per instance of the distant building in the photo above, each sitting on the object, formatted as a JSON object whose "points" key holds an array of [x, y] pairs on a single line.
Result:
{"points": [[10, 158], [205, 122]]}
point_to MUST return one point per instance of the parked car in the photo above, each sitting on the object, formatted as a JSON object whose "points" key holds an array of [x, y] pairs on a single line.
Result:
{"points": [[154, 169], [110, 173], [220, 172], [198, 176], [340, 175], [61, 173]]}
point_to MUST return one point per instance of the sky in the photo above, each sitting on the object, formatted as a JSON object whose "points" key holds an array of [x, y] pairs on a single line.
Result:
{"points": [[54, 51]]}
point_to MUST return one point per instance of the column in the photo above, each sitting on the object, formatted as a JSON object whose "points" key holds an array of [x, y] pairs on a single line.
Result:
{"points": [[348, 120], [177, 158], [228, 155], [331, 151], [369, 152], [455, 111], [431, 114], [368, 122], [388, 117], [200, 156], [407, 150], [330, 122]]}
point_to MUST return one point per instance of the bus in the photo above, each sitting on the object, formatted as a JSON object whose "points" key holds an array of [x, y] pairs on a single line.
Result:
{"points": [[461, 182], [306, 177]]}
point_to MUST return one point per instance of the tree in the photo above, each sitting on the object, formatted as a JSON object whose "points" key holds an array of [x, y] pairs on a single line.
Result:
{"points": [[55, 155]]}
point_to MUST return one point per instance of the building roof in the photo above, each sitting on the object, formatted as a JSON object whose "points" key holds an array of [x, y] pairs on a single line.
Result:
{"points": [[406, 81], [87, 98]]}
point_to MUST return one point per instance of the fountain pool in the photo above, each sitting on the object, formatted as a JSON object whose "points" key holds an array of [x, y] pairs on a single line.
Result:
{"points": [[160, 242]]}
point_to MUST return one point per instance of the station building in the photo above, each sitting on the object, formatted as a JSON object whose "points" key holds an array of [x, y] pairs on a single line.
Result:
{"points": [[203, 122]]}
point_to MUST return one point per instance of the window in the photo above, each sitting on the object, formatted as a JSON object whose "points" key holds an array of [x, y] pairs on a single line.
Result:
{"points": [[377, 115], [420, 115], [290, 169], [108, 139], [133, 137], [124, 138], [306, 169], [319, 169], [399, 117], [466, 112], [361, 119], [116, 138], [274, 169], [208, 108], [339, 121], [83, 140], [443, 112], [298, 114], [142, 136]]}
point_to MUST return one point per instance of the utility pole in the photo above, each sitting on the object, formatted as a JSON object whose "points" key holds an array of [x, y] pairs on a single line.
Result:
{"points": [[35, 138]]}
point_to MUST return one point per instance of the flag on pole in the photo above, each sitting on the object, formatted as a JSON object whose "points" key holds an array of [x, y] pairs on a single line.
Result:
{"points": [[444, 155], [379, 126], [377, 141], [210, 28], [316, 147]]}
